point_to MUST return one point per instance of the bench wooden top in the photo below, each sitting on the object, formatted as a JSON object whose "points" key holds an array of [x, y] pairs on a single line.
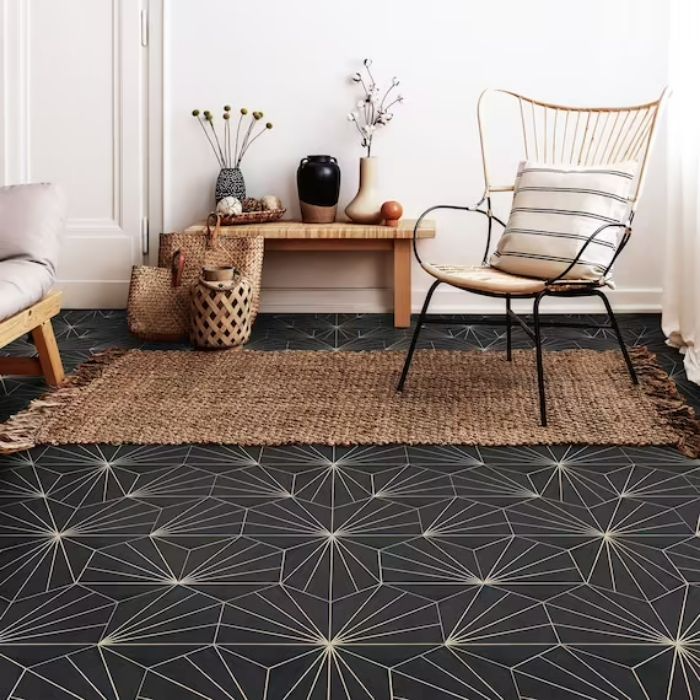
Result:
{"points": [[338, 230]]}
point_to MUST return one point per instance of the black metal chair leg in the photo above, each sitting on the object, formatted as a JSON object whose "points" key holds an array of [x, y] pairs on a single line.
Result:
{"points": [[538, 350], [416, 333], [509, 329], [620, 340]]}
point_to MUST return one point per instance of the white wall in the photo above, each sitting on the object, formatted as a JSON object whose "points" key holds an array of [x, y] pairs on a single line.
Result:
{"points": [[292, 60]]}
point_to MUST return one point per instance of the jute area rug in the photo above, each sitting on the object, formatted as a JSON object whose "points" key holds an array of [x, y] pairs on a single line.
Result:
{"points": [[344, 398]]}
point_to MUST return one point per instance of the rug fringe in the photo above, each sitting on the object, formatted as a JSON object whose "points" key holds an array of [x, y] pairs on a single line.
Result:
{"points": [[662, 390], [20, 431]]}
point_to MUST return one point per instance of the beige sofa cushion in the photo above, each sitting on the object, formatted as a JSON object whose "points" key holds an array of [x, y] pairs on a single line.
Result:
{"points": [[22, 283], [32, 218]]}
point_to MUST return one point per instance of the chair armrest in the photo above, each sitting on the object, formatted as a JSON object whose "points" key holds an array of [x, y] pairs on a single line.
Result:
{"points": [[472, 209], [589, 240]]}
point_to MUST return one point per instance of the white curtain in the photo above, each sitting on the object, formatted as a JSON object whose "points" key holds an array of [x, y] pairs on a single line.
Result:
{"points": [[681, 302]]}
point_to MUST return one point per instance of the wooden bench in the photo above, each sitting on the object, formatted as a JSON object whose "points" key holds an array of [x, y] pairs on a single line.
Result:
{"points": [[291, 236], [37, 321]]}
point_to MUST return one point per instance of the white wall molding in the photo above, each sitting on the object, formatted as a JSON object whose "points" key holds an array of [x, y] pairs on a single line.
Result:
{"points": [[156, 170], [446, 300], [14, 74], [454, 301], [117, 115]]}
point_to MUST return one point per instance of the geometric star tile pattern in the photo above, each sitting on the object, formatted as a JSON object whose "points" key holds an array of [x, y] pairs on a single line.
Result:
{"points": [[386, 573]]}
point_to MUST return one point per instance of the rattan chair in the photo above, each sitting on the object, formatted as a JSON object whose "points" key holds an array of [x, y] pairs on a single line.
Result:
{"points": [[555, 134]]}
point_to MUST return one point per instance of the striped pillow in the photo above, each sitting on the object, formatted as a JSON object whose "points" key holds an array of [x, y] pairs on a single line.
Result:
{"points": [[555, 210]]}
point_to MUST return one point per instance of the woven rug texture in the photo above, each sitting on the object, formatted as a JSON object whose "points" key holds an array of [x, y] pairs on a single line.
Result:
{"points": [[343, 398]]}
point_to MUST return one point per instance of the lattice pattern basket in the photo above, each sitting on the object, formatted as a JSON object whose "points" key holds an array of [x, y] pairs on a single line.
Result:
{"points": [[216, 247], [221, 313]]}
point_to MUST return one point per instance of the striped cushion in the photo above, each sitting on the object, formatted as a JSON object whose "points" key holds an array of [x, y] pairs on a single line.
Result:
{"points": [[555, 210]]}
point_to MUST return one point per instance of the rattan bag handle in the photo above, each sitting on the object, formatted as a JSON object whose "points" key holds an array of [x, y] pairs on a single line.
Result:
{"points": [[213, 236], [213, 244], [177, 267]]}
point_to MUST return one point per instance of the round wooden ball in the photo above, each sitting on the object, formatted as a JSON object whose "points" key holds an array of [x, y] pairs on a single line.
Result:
{"points": [[392, 212]]}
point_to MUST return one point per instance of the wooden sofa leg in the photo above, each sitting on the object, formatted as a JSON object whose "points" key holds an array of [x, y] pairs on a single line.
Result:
{"points": [[49, 356]]}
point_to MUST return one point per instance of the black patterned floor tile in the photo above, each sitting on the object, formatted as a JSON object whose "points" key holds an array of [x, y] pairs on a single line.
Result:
{"points": [[48, 625], [26, 481], [166, 486], [451, 672], [213, 672], [109, 456], [222, 458], [567, 673], [378, 572], [658, 638], [162, 623], [90, 674], [288, 517], [685, 559], [211, 517], [252, 486]]}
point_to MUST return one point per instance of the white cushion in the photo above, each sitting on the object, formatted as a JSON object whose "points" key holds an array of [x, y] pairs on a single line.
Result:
{"points": [[32, 218], [555, 210], [22, 283]]}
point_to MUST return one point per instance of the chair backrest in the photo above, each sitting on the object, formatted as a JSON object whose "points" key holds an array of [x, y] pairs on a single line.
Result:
{"points": [[557, 134]]}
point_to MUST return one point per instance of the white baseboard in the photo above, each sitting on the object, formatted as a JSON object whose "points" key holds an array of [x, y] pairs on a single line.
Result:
{"points": [[454, 301], [447, 301], [98, 294]]}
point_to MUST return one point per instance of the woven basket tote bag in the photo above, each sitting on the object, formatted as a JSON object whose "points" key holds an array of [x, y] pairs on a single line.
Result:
{"points": [[216, 247], [158, 308]]}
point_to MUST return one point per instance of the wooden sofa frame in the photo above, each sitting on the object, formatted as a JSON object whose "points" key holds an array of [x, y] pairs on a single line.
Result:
{"points": [[35, 320]]}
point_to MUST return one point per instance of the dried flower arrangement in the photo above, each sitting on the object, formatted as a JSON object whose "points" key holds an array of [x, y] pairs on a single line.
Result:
{"points": [[230, 155], [374, 109]]}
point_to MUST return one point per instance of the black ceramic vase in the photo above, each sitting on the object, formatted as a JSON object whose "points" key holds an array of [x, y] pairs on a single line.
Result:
{"points": [[230, 183], [318, 183]]}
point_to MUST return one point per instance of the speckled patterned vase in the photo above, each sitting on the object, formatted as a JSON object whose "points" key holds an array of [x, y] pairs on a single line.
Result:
{"points": [[230, 183], [365, 208]]}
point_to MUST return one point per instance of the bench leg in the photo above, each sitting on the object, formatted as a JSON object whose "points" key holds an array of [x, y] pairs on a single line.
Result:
{"points": [[402, 283], [49, 357]]}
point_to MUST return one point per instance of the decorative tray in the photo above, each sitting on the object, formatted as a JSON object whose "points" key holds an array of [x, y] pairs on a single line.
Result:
{"points": [[253, 217]]}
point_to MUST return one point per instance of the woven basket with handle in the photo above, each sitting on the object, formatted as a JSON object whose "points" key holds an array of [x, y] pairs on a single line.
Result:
{"points": [[215, 247], [221, 313], [158, 308]]}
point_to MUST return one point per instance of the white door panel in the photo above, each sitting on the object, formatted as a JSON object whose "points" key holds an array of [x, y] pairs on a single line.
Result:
{"points": [[74, 113]]}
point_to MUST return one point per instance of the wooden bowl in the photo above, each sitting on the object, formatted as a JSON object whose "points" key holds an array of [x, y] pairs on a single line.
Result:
{"points": [[218, 273]]}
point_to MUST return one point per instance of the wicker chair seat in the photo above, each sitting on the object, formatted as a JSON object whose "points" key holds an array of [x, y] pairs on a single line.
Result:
{"points": [[483, 278]]}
